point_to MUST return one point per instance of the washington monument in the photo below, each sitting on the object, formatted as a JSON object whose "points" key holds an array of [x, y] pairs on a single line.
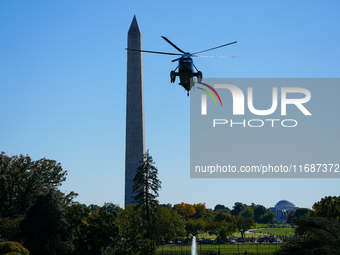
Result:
{"points": [[135, 129]]}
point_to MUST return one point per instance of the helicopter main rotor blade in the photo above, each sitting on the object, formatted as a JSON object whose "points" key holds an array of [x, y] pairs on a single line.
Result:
{"points": [[215, 56], [157, 52], [214, 48], [174, 60], [173, 45]]}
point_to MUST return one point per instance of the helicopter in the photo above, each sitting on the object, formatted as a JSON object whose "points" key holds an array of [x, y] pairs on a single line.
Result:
{"points": [[186, 67]]}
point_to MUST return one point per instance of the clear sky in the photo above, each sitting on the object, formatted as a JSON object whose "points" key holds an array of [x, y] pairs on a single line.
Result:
{"points": [[63, 86]]}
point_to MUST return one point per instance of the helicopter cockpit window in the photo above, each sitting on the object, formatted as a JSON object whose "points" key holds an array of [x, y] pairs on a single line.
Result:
{"points": [[185, 61]]}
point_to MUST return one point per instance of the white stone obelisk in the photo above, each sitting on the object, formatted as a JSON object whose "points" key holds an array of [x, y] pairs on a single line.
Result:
{"points": [[135, 128]]}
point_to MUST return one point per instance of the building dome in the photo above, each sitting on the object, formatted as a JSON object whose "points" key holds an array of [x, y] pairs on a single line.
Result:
{"points": [[284, 203], [282, 209]]}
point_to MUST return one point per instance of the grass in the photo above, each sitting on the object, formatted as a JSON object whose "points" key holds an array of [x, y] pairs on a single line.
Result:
{"points": [[255, 248], [223, 248], [235, 234], [238, 234], [258, 225], [276, 231], [272, 231]]}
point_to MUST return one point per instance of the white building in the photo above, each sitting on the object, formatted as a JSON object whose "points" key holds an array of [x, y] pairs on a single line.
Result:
{"points": [[282, 209]]}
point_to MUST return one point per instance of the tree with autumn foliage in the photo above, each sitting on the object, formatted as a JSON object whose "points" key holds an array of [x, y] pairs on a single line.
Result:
{"points": [[184, 209], [194, 216], [188, 211]]}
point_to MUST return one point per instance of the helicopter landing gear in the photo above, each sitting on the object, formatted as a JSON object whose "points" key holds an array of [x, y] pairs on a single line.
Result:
{"points": [[172, 76], [199, 76]]}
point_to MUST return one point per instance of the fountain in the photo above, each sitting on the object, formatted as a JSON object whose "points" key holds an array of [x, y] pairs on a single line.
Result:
{"points": [[193, 246]]}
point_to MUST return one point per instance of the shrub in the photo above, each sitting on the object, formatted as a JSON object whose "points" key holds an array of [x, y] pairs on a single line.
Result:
{"points": [[12, 248]]}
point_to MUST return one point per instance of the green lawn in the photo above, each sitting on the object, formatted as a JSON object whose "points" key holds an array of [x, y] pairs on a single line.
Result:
{"points": [[273, 231], [258, 225], [276, 231], [223, 248]]}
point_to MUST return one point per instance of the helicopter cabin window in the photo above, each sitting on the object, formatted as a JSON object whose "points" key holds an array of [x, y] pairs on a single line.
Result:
{"points": [[185, 61]]}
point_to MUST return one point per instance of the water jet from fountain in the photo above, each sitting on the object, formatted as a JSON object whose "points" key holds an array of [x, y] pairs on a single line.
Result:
{"points": [[193, 246]]}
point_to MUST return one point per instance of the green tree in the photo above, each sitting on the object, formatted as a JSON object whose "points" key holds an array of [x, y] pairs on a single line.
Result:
{"points": [[112, 207], [10, 228], [223, 217], [319, 229], [301, 212], [103, 230], [133, 229], [237, 208], [221, 208], [243, 224], [22, 180], [267, 218], [296, 214], [77, 216], [94, 208], [45, 228], [170, 225], [259, 210], [194, 226], [146, 186], [319, 236], [223, 232], [222, 225], [209, 213], [168, 205], [247, 212], [200, 211], [92, 231], [328, 207]]}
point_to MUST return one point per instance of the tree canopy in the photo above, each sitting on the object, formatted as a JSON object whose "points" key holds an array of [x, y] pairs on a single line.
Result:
{"points": [[327, 207], [243, 224], [221, 208], [237, 208], [320, 235], [22, 180], [45, 227]]}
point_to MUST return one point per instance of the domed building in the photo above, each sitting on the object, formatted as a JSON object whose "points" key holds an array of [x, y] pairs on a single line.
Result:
{"points": [[282, 209]]}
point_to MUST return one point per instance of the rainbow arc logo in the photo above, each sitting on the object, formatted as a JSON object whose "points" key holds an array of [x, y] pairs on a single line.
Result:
{"points": [[209, 93]]}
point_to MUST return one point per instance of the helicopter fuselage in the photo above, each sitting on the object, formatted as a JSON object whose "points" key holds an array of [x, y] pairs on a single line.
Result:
{"points": [[185, 72]]}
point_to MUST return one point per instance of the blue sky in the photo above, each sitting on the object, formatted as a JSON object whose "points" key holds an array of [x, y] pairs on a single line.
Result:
{"points": [[63, 86]]}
